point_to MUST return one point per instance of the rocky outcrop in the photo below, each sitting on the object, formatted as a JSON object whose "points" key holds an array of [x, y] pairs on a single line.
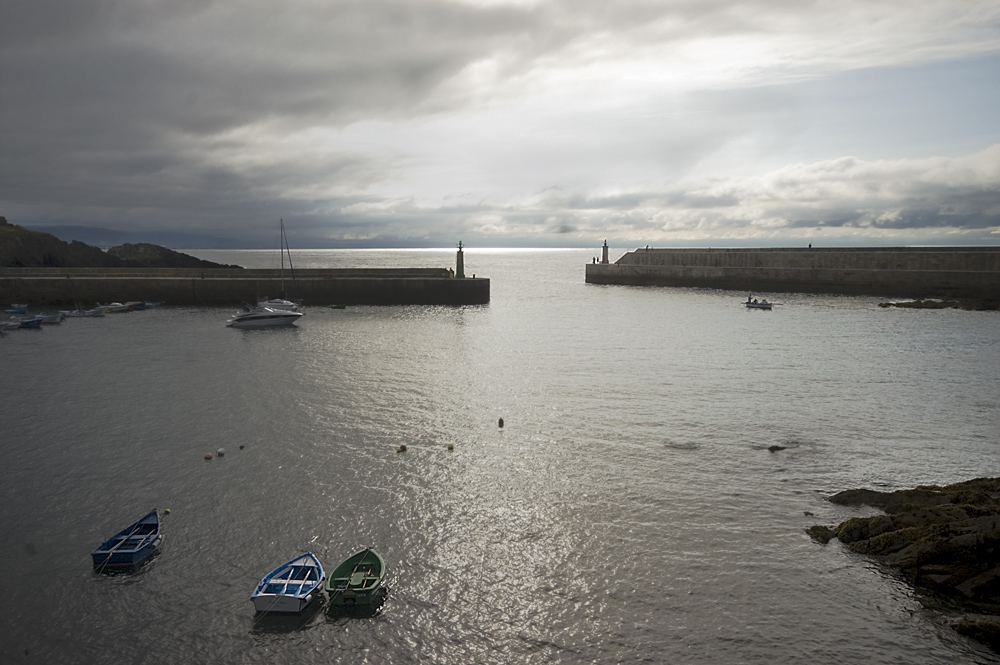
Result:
{"points": [[946, 539], [154, 256], [21, 248]]}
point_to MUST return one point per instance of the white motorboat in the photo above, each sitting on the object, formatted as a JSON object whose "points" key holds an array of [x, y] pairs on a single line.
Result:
{"points": [[114, 308], [263, 317]]}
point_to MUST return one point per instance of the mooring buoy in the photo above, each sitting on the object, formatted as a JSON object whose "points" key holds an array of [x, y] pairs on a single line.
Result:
{"points": [[208, 456], [402, 448], [500, 423]]}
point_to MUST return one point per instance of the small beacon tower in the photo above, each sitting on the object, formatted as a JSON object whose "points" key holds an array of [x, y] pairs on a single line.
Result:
{"points": [[604, 254], [460, 263]]}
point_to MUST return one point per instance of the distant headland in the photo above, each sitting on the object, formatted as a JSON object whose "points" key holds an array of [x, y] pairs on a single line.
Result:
{"points": [[22, 248]]}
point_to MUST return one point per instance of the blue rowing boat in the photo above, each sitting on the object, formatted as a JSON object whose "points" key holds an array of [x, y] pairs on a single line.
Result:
{"points": [[132, 545], [289, 588]]}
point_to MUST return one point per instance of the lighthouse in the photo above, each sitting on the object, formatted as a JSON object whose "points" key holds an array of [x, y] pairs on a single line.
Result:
{"points": [[460, 263]]}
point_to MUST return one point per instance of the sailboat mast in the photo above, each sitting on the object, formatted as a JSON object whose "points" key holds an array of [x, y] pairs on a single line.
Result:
{"points": [[281, 250]]}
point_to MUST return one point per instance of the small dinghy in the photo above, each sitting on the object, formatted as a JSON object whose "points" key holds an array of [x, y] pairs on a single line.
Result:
{"points": [[289, 588], [358, 580], [131, 546]]}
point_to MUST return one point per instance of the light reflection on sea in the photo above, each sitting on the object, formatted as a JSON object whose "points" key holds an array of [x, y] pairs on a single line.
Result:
{"points": [[629, 509]]}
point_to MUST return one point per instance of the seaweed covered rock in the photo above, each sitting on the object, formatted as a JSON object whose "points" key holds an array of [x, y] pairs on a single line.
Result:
{"points": [[943, 538]]}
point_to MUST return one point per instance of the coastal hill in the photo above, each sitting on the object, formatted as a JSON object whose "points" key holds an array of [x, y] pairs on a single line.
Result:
{"points": [[21, 248]]}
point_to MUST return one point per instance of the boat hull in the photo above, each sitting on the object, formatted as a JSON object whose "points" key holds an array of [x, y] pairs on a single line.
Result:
{"points": [[290, 588], [264, 319], [131, 546], [358, 580]]}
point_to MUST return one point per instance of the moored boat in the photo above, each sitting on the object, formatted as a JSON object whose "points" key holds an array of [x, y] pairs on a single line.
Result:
{"points": [[49, 319], [17, 308], [27, 322], [131, 546], [263, 317], [114, 308], [358, 580], [80, 312], [289, 588]]}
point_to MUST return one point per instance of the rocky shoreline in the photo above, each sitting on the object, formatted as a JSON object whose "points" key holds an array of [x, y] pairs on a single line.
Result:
{"points": [[943, 539], [982, 305]]}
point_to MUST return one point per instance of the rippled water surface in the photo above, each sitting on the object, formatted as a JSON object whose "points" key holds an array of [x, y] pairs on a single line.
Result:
{"points": [[629, 510]]}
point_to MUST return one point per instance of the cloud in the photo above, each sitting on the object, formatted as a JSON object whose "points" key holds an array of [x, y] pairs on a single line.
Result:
{"points": [[403, 120]]}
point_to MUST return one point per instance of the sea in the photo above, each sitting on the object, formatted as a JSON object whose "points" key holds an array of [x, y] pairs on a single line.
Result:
{"points": [[662, 453]]}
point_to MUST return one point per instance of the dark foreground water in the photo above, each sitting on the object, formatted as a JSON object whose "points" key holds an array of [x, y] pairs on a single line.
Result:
{"points": [[629, 511]]}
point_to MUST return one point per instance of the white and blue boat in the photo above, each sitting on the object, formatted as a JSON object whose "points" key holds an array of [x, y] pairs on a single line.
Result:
{"points": [[131, 546], [289, 588]]}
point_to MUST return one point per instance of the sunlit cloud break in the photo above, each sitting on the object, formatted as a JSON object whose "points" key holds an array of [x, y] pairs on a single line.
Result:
{"points": [[503, 122]]}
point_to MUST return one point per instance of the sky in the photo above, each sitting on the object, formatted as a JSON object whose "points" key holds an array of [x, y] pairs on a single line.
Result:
{"points": [[504, 123]]}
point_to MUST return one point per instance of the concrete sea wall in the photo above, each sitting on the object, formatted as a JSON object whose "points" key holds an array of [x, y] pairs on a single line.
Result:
{"points": [[224, 287], [955, 272]]}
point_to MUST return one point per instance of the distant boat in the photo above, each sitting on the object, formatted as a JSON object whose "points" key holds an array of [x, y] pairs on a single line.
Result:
{"points": [[132, 545], [81, 312], [263, 317], [753, 304], [358, 580], [289, 588], [114, 308]]}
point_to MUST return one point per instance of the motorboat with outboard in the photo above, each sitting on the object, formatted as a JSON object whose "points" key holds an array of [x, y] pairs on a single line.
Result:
{"points": [[263, 317]]}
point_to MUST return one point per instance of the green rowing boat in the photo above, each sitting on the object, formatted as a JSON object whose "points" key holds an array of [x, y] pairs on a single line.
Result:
{"points": [[358, 580]]}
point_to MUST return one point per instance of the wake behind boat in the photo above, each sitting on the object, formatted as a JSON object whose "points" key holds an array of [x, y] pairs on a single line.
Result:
{"points": [[357, 580], [131, 546], [263, 317], [289, 588]]}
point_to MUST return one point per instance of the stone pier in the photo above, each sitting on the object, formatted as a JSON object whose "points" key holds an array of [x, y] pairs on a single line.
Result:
{"points": [[912, 272]]}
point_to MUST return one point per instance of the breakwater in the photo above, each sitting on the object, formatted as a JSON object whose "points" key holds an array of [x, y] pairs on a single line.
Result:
{"points": [[221, 287], [956, 272]]}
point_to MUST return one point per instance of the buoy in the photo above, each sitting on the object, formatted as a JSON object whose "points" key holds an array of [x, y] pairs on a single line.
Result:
{"points": [[451, 446], [402, 448], [208, 455], [166, 511], [220, 452], [241, 446], [500, 423]]}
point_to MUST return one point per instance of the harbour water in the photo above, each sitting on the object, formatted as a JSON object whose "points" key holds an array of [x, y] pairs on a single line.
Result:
{"points": [[628, 511]]}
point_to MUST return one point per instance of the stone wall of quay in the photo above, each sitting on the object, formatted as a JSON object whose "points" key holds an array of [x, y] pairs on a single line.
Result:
{"points": [[226, 287], [952, 272]]}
